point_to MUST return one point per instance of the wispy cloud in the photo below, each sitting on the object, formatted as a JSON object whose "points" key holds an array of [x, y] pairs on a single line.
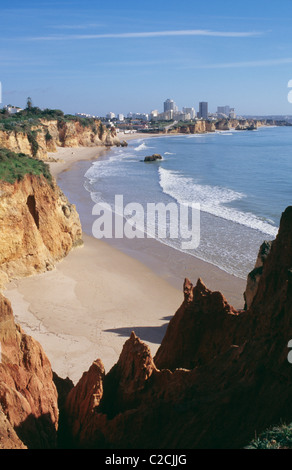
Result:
{"points": [[142, 63], [76, 26], [253, 63], [187, 64], [151, 34]]}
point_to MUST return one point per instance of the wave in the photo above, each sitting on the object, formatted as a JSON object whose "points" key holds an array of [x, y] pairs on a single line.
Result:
{"points": [[224, 133], [169, 153], [211, 200], [141, 147], [105, 167]]}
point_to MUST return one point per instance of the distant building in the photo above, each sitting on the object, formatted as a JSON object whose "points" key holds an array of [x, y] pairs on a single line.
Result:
{"points": [[166, 116], [203, 110], [223, 110], [141, 116], [121, 117], [169, 105], [83, 115], [232, 113], [190, 111], [12, 109], [154, 114], [110, 116], [181, 116]]}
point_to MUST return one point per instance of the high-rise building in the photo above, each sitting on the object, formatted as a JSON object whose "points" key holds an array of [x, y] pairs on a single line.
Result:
{"points": [[223, 110], [110, 116], [169, 105], [190, 111], [203, 110], [232, 113]]}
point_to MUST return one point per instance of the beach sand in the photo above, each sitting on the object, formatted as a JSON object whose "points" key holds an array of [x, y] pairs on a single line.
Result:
{"points": [[87, 307]]}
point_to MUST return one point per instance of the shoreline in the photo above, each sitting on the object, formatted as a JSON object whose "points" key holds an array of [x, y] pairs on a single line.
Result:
{"points": [[88, 305], [152, 252], [68, 156]]}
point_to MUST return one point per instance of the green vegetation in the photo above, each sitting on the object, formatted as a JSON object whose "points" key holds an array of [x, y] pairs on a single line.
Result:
{"points": [[14, 166], [101, 130], [32, 116], [31, 135], [279, 437], [48, 136]]}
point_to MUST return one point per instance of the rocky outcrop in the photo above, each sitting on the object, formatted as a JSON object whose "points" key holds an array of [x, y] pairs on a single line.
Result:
{"points": [[254, 276], [203, 126], [9, 440], [199, 127], [189, 340], [50, 135], [38, 226], [28, 396], [153, 158], [220, 375]]}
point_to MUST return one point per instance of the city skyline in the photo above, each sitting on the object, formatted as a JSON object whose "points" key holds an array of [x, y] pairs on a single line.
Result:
{"points": [[94, 57]]}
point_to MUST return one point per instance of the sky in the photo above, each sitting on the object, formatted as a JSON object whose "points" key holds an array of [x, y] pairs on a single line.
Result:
{"points": [[123, 56]]}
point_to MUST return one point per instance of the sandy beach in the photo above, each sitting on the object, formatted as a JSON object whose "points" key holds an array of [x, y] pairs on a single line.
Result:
{"points": [[87, 307]]}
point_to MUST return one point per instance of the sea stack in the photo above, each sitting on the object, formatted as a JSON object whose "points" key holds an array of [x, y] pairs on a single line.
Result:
{"points": [[153, 158]]}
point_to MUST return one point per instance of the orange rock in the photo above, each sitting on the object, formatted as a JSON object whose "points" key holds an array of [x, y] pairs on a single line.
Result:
{"points": [[237, 382], [28, 396], [62, 134], [38, 226]]}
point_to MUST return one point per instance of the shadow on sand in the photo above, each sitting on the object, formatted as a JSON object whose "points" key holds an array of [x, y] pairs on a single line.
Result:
{"points": [[152, 334]]}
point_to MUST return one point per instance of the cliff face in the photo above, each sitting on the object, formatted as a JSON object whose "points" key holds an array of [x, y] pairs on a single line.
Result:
{"points": [[202, 126], [199, 127], [28, 397], [220, 375], [52, 134], [254, 276], [38, 226]]}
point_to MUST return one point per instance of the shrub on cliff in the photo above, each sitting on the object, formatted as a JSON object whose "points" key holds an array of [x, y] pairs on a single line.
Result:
{"points": [[14, 166], [33, 142], [279, 437]]}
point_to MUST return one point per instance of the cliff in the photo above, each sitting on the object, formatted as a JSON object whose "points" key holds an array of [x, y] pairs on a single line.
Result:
{"points": [[50, 134], [38, 226], [199, 127], [219, 376], [203, 126], [28, 396]]}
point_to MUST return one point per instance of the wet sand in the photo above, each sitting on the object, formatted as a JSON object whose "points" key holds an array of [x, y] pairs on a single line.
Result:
{"points": [[87, 307]]}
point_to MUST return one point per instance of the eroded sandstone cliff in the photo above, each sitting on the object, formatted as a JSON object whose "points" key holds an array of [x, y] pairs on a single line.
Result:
{"points": [[38, 226], [49, 135], [203, 126], [220, 375], [28, 396]]}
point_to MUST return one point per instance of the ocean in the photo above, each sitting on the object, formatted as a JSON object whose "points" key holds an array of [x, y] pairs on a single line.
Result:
{"points": [[241, 179]]}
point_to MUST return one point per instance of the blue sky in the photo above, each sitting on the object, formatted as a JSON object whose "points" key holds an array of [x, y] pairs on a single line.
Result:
{"points": [[120, 56]]}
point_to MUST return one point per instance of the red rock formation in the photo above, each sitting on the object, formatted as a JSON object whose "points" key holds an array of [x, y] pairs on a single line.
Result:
{"points": [[8, 437], [203, 326], [240, 382], [28, 396]]}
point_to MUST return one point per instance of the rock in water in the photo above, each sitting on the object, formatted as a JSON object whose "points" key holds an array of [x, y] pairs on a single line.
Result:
{"points": [[153, 158]]}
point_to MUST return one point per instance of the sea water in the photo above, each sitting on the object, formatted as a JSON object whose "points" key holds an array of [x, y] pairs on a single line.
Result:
{"points": [[241, 179]]}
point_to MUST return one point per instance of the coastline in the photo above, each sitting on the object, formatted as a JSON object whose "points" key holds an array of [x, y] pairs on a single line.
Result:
{"points": [[87, 307]]}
